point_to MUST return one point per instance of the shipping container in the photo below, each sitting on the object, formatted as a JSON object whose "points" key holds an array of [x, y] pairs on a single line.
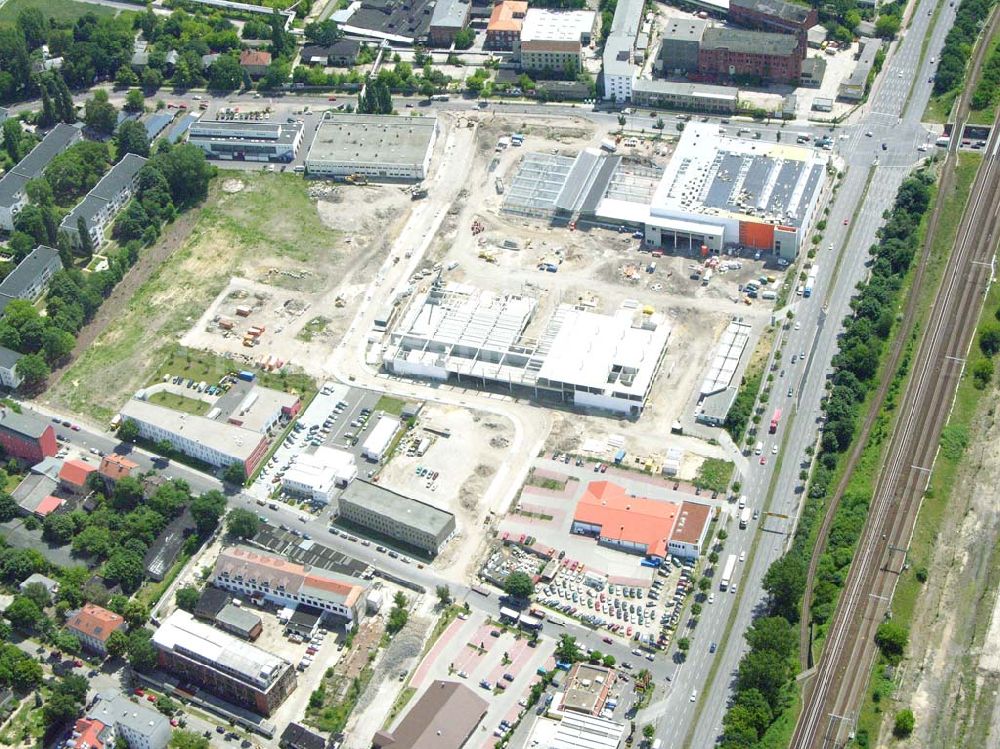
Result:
{"points": [[246, 375], [243, 311]]}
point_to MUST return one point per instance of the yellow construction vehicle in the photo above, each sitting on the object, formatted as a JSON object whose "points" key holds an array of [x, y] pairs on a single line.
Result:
{"points": [[357, 179]]}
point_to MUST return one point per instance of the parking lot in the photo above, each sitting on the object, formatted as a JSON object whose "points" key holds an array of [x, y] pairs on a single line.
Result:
{"points": [[332, 419]]}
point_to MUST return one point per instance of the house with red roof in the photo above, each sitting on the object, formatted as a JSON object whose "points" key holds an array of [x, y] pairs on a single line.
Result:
{"points": [[73, 476], [93, 626], [89, 733], [255, 62], [114, 467]]}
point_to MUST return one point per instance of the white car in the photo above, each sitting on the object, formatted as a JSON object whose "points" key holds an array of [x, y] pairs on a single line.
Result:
{"points": [[743, 556], [774, 449], [694, 694], [711, 597], [798, 326]]}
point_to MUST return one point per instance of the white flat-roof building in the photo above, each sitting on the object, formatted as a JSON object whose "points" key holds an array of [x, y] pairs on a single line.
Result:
{"points": [[215, 442], [619, 62], [239, 140], [385, 147], [554, 39], [581, 357], [318, 475], [380, 438], [724, 191]]}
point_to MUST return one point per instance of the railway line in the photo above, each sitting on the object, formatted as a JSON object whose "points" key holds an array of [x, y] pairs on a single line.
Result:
{"points": [[832, 696]]}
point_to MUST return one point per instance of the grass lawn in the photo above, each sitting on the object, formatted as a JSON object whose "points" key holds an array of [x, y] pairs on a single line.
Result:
{"points": [[714, 474], [203, 365], [390, 405], [61, 11], [939, 107], [313, 328], [180, 403], [236, 234]]}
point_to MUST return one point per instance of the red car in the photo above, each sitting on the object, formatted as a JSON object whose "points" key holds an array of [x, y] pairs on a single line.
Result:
{"points": [[77, 663], [151, 697], [763, 460], [139, 692], [332, 98], [75, 427], [845, 222], [174, 722]]}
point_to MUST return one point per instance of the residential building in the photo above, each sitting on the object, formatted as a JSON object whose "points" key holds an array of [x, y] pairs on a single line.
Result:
{"points": [[74, 475], [250, 140], [733, 53], [160, 557], [445, 717], [211, 602], [26, 435], [36, 578], [9, 376], [401, 518], [135, 725], [216, 443], [257, 574], [140, 55], [12, 185], [31, 277], [317, 476], [343, 53], [449, 17], [104, 201], [224, 665], [679, 45], [504, 27], [693, 97], [379, 147], [620, 53], [115, 467], [254, 62], [93, 626], [554, 40], [775, 15], [460, 334], [89, 734]]}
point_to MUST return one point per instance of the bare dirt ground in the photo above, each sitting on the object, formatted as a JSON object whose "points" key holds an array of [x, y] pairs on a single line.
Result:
{"points": [[466, 463], [953, 673]]}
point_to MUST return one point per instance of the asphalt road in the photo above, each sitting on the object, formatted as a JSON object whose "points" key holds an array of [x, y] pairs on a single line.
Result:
{"points": [[855, 216]]}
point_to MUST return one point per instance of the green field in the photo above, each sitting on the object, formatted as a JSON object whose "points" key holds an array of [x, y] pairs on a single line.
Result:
{"points": [[986, 116], [61, 11], [235, 234]]}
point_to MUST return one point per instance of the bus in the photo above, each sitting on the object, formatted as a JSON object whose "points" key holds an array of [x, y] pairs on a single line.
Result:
{"points": [[727, 572], [775, 420]]}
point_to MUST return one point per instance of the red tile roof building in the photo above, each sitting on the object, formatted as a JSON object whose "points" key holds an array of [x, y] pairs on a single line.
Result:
{"points": [[255, 62], [638, 525], [94, 625], [89, 734], [505, 24], [26, 436], [115, 467], [73, 475], [48, 505]]}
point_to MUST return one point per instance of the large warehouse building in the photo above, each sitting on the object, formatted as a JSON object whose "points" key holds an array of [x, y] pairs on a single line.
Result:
{"points": [[717, 191], [478, 338], [381, 147], [246, 140]]}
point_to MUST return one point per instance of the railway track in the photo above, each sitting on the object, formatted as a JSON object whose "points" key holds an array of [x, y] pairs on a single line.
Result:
{"points": [[831, 697]]}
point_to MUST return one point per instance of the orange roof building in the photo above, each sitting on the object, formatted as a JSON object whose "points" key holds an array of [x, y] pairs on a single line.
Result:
{"points": [[505, 24], [48, 505], [255, 61], [73, 475], [93, 625], [253, 573], [89, 734], [115, 467], [638, 525]]}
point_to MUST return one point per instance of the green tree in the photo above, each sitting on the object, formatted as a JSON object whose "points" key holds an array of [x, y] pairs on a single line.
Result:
{"points": [[187, 740], [443, 594], [125, 568], [989, 338], [135, 101], [567, 649], [13, 139], [33, 371], [8, 507], [609, 660], [683, 644], [206, 510], [892, 639], [648, 731], [152, 79], [324, 33], [166, 705], [24, 613], [34, 26], [519, 585], [225, 74], [242, 523], [141, 651], [128, 430], [187, 598], [904, 723], [131, 137], [117, 644], [100, 114], [465, 38], [234, 473]]}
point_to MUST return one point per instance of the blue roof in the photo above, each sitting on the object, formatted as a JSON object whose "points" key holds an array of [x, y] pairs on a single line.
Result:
{"points": [[155, 123]]}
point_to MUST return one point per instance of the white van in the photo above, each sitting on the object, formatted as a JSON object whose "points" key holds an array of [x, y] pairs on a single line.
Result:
{"points": [[759, 449], [743, 501]]}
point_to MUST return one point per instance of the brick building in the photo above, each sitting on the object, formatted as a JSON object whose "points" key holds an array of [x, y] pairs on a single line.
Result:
{"points": [[26, 436], [729, 53], [775, 15], [504, 28]]}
